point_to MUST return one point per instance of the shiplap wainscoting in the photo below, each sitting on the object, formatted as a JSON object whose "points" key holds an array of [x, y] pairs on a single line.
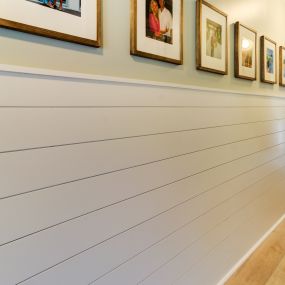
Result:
{"points": [[106, 181]]}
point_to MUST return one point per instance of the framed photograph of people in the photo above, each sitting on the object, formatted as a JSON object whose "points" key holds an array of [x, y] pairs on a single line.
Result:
{"points": [[156, 29], [268, 60], [245, 52], [77, 21], [211, 38], [282, 66]]}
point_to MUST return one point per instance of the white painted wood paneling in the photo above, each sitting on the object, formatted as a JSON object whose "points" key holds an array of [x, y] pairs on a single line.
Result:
{"points": [[54, 247], [55, 126], [105, 158], [165, 242], [189, 254], [91, 198], [229, 249], [116, 182]]}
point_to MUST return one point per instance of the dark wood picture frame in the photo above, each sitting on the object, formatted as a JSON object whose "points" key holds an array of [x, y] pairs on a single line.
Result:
{"points": [[262, 62], [22, 27], [133, 39], [281, 70], [237, 48], [199, 65]]}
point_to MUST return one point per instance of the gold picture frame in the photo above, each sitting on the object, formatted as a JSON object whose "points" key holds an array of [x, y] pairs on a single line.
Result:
{"points": [[211, 38], [245, 45], [282, 66], [153, 38], [268, 60], [76, 25]]}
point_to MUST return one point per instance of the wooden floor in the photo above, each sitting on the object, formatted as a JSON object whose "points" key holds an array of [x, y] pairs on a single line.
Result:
{"points": [[266, 266]]}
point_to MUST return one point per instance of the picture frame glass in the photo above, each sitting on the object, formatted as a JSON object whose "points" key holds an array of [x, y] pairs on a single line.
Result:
{"points": [[247, 53], [269, 59], [213, 39], [157, 29], [76, 18]]}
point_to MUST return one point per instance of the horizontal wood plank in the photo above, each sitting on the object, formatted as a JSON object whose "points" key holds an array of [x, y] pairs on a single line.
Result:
{"points": [[45, 169], [52, 126]]}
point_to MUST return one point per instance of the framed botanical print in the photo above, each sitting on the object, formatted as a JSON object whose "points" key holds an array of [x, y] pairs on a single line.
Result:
{"points": [[211, 38], [245, 52], [156, 29], [77, 21], [268, 60], [282, 66]]}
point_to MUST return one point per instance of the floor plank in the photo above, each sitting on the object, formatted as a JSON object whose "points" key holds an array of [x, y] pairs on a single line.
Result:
{"points": [[264, 263], [278, 276]]}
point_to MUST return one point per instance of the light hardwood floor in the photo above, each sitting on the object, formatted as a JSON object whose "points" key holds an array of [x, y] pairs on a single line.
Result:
{"points": [[266, 266]]}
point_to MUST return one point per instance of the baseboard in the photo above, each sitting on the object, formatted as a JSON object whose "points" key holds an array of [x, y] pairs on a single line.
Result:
{"points": [[251, 250]]}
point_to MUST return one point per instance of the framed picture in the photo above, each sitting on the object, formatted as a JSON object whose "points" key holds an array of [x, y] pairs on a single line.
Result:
{"points": [[211, 38], [245, 52], [77, 21], [156, 29], [268, 60], [282, 66]]}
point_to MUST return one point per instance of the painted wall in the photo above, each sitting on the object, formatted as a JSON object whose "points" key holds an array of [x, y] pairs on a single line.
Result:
{"points": [[121, 182], [266, 16]]}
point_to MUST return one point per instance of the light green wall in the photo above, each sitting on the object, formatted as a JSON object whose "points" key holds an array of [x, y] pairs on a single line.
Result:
{"points": [[265, 16]]}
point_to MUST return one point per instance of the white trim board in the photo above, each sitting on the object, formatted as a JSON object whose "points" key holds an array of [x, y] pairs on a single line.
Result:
{"points": [[251, 250], [83, 76]]}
